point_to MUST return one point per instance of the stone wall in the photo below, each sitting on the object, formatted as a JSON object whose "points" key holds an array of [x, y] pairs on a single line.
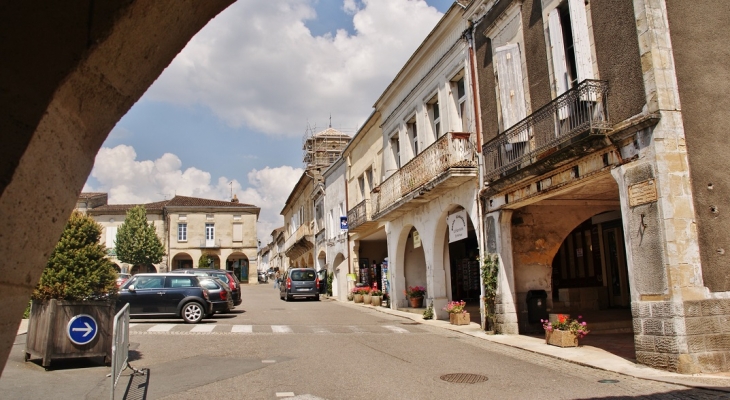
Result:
{"points": [[690, 337]]}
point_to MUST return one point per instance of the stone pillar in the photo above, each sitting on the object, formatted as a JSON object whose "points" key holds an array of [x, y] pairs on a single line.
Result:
{"points": [[499, 241]]}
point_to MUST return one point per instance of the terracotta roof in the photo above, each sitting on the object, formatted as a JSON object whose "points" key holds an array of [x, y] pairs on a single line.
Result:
{"points": [[119, 208], [88, 195], [184, 201]]}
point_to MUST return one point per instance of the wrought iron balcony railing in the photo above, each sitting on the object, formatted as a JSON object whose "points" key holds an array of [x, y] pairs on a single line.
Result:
{"points": [[210, 244], [579, 110], [454, 149], [359, 214]]}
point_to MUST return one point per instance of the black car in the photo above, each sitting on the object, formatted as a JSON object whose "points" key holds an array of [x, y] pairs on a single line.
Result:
{"points": [[173, 294], [225, 276], [219, 294], [299, 282]]}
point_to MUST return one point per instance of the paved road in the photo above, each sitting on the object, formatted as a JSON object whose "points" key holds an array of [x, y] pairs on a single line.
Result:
{"points": [[271, 349]]}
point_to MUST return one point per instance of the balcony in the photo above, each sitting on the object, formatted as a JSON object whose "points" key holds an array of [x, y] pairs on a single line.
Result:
{"points": [[447, 163], [210, 244], [319, 238], [575, 115], [359, 217], [300, 242]]}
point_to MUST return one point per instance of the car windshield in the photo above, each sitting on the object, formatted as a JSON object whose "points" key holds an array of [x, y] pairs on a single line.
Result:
{"points": [[305, 275]]}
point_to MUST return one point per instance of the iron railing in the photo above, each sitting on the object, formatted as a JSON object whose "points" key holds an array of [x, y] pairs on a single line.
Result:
{"points": [[359, 214], [302, 231], [454, 149], [579, 110]]}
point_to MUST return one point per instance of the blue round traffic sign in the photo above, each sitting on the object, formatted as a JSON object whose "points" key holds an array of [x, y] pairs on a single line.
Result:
{"points": [[82, 329]]}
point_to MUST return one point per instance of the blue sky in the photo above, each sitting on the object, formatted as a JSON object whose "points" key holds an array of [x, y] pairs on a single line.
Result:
{"points": [[229, 113]]}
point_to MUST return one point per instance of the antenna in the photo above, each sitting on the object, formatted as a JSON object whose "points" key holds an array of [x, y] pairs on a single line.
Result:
{"points": [[231, 185], [330, 120]]}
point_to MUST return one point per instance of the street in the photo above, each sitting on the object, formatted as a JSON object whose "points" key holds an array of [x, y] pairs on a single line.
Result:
{"points": [[271, 349]]}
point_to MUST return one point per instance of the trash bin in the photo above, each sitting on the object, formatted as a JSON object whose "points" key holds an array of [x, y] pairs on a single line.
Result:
{"points": [[536, 306]]}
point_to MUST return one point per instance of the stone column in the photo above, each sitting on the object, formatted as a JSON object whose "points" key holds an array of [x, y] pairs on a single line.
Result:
{"points": [[499, 241]]}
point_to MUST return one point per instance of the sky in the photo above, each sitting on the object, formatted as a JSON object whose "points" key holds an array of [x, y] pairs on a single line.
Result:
{"points": [[229, 114]]}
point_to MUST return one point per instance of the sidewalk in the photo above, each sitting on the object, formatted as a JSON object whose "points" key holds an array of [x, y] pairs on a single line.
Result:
{"points": [[583, 355]]}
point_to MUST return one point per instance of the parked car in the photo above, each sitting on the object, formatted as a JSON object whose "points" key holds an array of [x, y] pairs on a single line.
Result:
{"points": [[225, 276], [263, 277], [121, 278], [322, 277], [299, 282], [218, 293], [172, 294]]}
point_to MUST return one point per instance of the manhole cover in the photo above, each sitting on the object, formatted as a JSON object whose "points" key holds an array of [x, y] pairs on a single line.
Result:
{"points": [[410, 323], [464, 378], [608, 381]]}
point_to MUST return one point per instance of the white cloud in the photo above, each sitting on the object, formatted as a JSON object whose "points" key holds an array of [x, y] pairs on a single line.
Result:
{"points": [[129, 181], [258, 65]]}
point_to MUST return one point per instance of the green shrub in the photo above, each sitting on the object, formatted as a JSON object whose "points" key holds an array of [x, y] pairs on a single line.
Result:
{"points": [[78, 268]]}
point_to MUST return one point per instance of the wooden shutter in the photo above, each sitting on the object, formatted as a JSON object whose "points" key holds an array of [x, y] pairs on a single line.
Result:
{"points": [[238, 232], [557, 49], [111, 237], [581, 42], [511, 94]]}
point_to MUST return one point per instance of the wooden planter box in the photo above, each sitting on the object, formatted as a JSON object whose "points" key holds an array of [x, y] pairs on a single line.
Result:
{"points": [[47, 327], [459, 319], [561, 338]]}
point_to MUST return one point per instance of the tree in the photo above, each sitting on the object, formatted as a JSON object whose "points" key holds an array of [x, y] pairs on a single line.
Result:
{"points": [[78, 268], [137, 242], [205, 261]]}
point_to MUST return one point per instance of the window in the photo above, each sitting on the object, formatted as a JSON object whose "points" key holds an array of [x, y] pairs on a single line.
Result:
{"points": [[458, 90], [434, 115], [413, 135], [569, 45], [395, 148], [369, 179], [182, 232], [361, 186], [209, 231], [238, 232], [111, 237], [510, 86]]}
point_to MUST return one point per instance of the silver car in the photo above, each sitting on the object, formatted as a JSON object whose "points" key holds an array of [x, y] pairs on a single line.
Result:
{"points": [[298, 283]]}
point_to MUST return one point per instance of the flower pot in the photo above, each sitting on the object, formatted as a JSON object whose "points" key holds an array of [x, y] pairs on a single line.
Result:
{"points": [[416, 302], [561, 338], [357, 298], [377, 300], [350, 296], [366, 298], [459, 319]]}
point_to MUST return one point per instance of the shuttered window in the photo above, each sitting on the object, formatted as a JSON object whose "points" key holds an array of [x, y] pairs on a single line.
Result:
{"points": [[111, 237], [570, 46], [511, 93], [238, 232]]}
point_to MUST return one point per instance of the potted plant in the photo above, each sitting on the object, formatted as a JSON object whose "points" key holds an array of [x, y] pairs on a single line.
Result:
{"points": [[359, 292], [563, 331], [377, 297], [78, 284], [366, 297], [415, 295], [457, 312]]}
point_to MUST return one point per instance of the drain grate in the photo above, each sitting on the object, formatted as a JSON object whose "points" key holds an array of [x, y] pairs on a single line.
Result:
{"points": [[464, 378], [410, 323]]}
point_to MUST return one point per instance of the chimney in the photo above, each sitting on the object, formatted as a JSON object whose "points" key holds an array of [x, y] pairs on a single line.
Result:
{"points": [[234, 199]]}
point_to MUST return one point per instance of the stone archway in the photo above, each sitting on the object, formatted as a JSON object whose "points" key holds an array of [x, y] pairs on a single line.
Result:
{"points": [[181, 261], [143, 269], [238, 263], [339, 279], [414, 260]]}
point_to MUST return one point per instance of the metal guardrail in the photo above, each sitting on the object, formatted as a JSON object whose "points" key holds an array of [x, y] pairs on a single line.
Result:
{"points": [[359, 214], [120, 345], [579, 110]]}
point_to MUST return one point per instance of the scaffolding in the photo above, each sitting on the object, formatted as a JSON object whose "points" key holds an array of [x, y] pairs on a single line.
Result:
{"points": [[322, 148]]}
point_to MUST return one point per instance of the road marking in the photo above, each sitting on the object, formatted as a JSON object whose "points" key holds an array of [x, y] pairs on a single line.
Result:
{"points": [[395, 329], [161, 328], [268, 361], [203, 328], [284, 394], [318, 329], [242, 329], [281, 329], [355, 329]]}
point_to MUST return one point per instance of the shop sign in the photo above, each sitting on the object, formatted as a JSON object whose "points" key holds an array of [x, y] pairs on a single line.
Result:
{"points": [[457, 226], [416, 240]]}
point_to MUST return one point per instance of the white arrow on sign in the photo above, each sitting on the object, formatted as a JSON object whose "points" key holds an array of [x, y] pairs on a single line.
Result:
{"points": [[88, 329]]}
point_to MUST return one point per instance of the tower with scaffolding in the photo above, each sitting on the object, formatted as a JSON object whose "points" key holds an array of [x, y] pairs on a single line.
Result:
{"points": [[322, 148]]}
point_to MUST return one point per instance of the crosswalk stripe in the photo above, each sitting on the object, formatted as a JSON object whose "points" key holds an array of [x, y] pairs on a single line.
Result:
{"points": [[203, 328], [281, 329], [161, 328], [242, 329], [395, 329], [355, 329], [319, 329]]}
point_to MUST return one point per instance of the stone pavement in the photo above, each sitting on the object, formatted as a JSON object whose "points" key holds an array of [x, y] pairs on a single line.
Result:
{"points": [[584, 354]]}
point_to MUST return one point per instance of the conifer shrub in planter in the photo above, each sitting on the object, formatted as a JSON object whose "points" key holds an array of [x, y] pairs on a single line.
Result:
{"points": [[78, 280]]}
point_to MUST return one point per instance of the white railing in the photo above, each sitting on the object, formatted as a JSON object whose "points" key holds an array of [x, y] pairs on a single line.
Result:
{"points": [[120, 345]]}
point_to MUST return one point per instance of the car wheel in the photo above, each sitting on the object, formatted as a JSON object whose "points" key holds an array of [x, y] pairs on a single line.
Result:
{"points": [[192, 312], [288, 298]]}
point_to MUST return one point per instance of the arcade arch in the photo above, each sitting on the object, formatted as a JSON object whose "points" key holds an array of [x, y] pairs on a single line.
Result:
{"points": [[238, 264]]}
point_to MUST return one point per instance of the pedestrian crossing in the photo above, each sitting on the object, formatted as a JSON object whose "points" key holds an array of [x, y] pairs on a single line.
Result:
{"points": [[182, 329]]}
